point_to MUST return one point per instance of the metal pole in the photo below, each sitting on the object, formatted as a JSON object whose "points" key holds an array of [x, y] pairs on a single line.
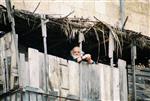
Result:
{"points": [[133, 57], [122, 12]]}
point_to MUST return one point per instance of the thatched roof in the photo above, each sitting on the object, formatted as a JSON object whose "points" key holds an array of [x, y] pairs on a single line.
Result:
{"points": [[86, 25], [65, 28]]}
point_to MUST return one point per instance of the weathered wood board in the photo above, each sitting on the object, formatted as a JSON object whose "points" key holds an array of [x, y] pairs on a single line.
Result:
{"points": [[89, 82], [73, 78], [34, 68], [123, 80], [107, 83], [116, 90], [8, 55]]}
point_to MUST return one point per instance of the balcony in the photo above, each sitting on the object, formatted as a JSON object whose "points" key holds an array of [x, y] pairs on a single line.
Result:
{"points": [[59, 78]]}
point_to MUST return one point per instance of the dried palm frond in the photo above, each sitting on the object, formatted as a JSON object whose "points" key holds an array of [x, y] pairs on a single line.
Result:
{"points": [[113, 33], [115, 37], [72, 27], [104, 41], [98, 40]]}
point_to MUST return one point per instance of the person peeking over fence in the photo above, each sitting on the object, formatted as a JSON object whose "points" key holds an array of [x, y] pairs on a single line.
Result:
{"points": [[78, 56]]}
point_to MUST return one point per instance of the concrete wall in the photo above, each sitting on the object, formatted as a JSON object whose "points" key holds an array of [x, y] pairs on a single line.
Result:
{"points": [[108, 11], [139, 15]]}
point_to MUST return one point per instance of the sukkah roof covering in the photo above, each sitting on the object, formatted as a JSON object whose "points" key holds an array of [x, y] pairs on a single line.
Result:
{"points": [[64, 29]]}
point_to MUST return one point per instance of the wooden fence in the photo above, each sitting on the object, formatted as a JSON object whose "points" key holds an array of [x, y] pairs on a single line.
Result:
{"points": [[142, 84], [86, 82]]}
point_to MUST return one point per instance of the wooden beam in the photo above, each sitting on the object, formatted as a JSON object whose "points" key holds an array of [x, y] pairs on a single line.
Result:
{"points": [[133, 57], [10, 13], [111, 51], [123, 80]]}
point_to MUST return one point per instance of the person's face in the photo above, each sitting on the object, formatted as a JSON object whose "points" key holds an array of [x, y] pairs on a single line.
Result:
{"points": [[76, 52]]}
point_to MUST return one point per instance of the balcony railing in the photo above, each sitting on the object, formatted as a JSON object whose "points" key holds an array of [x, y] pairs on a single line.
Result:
{"points": [[88, 82]]}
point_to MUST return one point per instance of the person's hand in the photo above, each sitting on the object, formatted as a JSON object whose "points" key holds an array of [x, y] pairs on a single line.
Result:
{"points": [[79, 59], [88, 58]]}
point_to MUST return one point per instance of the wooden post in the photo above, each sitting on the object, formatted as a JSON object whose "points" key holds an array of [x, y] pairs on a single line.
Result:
{"points": [[44, 35], [12, 21], [133, 57], [6, 74], [111, 51], [111, 48], [123, 80], [10, 13], [81, 39]]}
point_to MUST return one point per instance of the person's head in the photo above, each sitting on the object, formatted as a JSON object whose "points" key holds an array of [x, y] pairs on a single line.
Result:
{"points": [[75, 52]]}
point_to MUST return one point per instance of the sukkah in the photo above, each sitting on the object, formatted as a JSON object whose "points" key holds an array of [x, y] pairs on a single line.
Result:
{"points": [[64, 30]]}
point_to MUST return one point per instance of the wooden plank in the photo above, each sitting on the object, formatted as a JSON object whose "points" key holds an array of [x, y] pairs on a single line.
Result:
{"points": [[9, 55], [98, 69], [54, 72], [2, 63], [27, 73], [1, 69], [42, 72], [18, 97], [133, 57], [107, 83], [90, 79], [6, 52], [14, 52], [13, 97], [14, 60], [32, 96], [141, 74], [14, 44], [64, 92], [39, 97], [44, 35], [63, 62], [23, 72], [7, 60], [123, 80], [73, 78], [102, 85], [116, 88], [111, 45], [26, 96], [33, 58], [65, 77]]}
